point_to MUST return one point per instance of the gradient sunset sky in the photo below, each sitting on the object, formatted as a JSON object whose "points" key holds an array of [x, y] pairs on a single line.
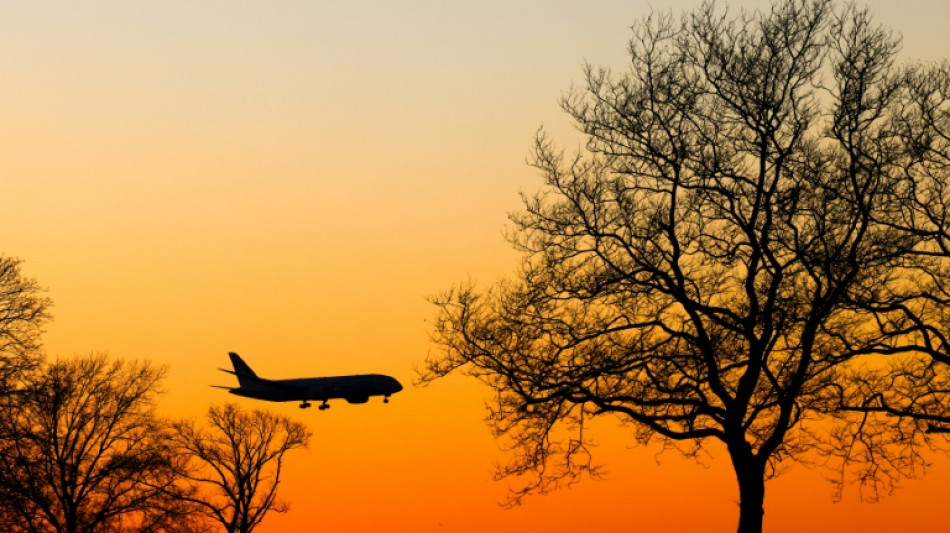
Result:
{"points": [[291, 180]]}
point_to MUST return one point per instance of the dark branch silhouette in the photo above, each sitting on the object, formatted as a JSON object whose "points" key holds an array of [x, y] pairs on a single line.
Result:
{"points": [[751, 250], [83, 451], [237, 462], [23, 311]]}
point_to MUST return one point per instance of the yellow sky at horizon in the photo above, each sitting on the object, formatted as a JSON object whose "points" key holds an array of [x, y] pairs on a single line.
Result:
{"points": [[291, 181]]}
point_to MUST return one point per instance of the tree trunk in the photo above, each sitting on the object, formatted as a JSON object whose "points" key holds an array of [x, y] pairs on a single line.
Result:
{"points": [[751, 497]]}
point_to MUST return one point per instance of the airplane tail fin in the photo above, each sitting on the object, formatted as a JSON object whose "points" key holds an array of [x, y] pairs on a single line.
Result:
{"points": [[245, 375]]}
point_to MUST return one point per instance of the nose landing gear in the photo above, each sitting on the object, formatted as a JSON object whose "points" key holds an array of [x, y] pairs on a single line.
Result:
{"points": [[386, 399]]}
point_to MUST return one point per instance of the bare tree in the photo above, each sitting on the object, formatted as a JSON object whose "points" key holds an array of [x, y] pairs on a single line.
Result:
{"points": [[237, 462], [23, 312], [84, 451], [751, 247]]}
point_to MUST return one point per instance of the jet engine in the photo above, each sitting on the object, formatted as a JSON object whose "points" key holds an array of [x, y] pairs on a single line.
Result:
{"points": [[357, 399]]}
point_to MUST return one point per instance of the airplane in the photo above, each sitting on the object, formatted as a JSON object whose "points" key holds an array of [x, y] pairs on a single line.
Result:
{"points": [[354, 389]]}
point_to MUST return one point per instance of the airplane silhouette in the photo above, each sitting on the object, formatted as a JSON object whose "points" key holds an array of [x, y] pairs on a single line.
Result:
{"points": [[353, 389]]}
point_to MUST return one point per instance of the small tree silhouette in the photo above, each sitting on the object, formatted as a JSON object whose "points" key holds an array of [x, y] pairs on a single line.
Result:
{"points": [[237, 462], [752, 246]]}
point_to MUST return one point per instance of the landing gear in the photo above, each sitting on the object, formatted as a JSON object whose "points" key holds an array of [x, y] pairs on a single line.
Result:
{"points": [[386, 399], [305, 404], [324, 406]]}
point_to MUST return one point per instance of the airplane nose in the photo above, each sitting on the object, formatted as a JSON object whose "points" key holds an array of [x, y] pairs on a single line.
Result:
{"points": [[396, 385]]}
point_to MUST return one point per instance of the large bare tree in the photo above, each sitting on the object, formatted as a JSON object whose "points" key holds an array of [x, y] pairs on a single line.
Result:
{"points": [[750, 254], [82, 450], [236, 462]]}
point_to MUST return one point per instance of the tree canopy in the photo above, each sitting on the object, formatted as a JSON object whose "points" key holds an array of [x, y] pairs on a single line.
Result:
{"points": [[84, 452], [751, 249], [235, 463]]}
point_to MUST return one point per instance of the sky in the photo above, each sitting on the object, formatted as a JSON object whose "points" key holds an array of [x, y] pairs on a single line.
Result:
{"points": [[292, 180]]}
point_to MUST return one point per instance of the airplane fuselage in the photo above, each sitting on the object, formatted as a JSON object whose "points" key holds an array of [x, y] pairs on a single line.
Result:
{"points": [[353, 389]]}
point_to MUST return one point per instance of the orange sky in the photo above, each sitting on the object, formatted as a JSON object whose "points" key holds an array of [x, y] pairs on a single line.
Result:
{"points": [[290, 180]]}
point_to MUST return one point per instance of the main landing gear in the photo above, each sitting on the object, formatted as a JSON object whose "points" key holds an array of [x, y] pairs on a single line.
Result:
{"points": [[323, 406]]}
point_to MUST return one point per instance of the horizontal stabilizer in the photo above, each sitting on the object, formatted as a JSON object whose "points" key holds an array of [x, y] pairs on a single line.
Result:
{"points": [[233, 373], [221, 387]]}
